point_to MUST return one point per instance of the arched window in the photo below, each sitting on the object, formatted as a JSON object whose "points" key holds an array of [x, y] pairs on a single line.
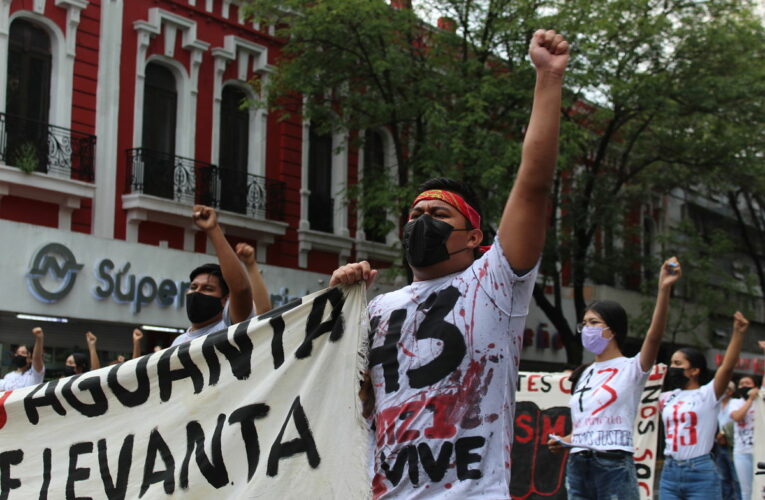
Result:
{"points": [[28, 93], [374, 177], [320, 203], [160, 104], [234, 149]]}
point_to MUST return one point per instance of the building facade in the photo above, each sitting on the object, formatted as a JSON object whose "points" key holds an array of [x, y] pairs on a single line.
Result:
{"points": [[115, 118]]}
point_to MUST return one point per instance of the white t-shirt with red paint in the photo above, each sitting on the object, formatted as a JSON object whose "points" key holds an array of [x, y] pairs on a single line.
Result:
{"points": [[444, 359], [690, 421], [604, 404], [743, 432]]}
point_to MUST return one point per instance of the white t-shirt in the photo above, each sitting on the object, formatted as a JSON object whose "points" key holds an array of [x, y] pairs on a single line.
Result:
{"points": [[723, 417], [690, 421], [743, 432], [15, 380], [444, 359], [604, 404], [225, 322]]}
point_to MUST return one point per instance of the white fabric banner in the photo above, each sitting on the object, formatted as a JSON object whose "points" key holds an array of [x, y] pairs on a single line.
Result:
{"points": [[266, 409], [758, 485], [542, 409]]}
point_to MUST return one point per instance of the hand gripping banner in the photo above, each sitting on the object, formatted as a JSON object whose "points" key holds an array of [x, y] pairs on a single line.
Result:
{"points": [[266, 409], [542, 409]]}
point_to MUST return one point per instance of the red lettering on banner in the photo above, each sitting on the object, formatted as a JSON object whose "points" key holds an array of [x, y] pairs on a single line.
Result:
{"points": [[647, 453], [651, 411], [718, 359], [656, 373], [558, 428], [524, 422], [532, 379], [3, 413], [643, 484], [565, 385], [607, 388]]}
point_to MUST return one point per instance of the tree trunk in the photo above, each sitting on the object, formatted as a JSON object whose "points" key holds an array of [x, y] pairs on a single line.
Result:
{"points": [[555, 315]]}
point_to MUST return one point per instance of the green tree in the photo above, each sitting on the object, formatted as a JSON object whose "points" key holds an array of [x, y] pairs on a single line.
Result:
{"points": [[654, 90]]}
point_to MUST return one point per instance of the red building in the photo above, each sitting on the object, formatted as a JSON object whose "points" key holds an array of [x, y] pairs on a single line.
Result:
{"points": [[115, 117]]}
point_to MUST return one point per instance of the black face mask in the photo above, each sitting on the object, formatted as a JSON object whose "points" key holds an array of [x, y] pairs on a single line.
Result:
{"points": [[19, 361], [425, 241], [742, 392], [68, 371], [201, 308], [675, 379]]}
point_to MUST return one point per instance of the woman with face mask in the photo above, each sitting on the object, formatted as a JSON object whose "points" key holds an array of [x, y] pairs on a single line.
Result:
{"points": [[689, 410], [77, 362], [29, 369], [742, 412], [606, 395]]}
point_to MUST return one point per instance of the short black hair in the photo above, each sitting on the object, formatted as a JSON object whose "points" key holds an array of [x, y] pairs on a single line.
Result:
{"points": [[457, 187], [696, 359], [614, 316], [213, 269]]}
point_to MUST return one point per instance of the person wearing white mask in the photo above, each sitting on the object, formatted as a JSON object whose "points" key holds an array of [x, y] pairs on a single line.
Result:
{"points": [[606, 395]]}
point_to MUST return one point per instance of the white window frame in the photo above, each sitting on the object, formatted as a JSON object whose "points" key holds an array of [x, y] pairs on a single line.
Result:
{"points": [[389, 251]]}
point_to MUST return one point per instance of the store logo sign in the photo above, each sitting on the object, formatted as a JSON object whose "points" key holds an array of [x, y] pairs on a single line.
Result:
{"points": [[52, 273]]}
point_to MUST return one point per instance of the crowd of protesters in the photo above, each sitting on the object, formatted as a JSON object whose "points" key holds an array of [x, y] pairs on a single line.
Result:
{"points": [[219, 295], [466, 301]]}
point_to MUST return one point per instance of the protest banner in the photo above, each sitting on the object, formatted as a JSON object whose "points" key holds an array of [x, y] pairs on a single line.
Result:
{"points": [[758, 485], [265, 409], [542, 409]]}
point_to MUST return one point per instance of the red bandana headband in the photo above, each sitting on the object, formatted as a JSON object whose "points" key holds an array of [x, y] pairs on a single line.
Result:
{"points": [[454, 200]]}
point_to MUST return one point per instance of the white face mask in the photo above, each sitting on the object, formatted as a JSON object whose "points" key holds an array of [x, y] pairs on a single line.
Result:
{"points": [[592, 339]]}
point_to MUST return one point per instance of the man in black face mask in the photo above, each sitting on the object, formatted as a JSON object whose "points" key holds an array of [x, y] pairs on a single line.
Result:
{"points": [[219, 294], [444, 351], [29, 369]]}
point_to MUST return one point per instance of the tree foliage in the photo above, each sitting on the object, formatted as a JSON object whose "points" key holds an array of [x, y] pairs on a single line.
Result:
{"points": [[660, 94]]}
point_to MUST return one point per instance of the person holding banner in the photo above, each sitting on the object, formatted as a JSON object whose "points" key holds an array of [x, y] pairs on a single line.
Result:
{"points": [[689, 411], [605, 398], [444, 351], [742, 412], [219, 295], [30, 369]]}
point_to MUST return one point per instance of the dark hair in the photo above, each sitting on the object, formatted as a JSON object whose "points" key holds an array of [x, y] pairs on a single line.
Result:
{"points": [[755, 379], [696, 359], [614, 316], [212, 269], [15, 349], [457, 187], [81, 361]]}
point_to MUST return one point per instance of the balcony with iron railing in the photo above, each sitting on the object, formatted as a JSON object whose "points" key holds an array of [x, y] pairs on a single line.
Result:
{"points": [[191, 181], [34, 146], [167, 185], [46, 162]]}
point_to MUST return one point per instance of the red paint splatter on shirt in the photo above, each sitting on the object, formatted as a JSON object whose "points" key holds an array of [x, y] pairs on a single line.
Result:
{"points": [[378, 486]]}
